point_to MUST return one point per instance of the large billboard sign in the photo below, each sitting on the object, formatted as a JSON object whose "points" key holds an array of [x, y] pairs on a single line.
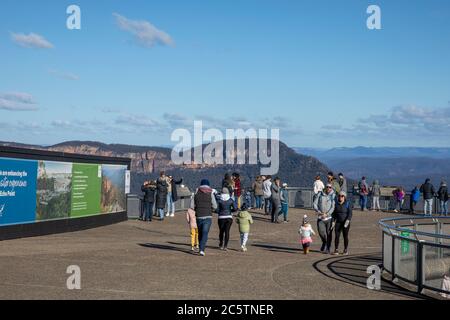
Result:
{"points": [[17, 191], [38, 190]]}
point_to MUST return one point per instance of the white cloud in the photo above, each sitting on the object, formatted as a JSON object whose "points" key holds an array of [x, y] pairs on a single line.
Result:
{"points": [[402, 122], [17, 101], [31, 40], [144, 32], [64, 75]]}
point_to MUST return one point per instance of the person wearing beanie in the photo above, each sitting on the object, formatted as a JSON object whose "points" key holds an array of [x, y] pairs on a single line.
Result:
{"points": [[306, 231], [443, 198], [204, 203], [324, 206], [225, 208], [244, 220], [342, 215], [285, 201]]}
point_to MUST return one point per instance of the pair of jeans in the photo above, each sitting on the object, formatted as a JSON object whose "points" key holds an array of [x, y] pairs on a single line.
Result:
{"points": [[338, 229], [399, 205], [170, 203], [194, 237], [363, 202], [444, 207], [244, 239], [376, 203], [148, 211], [203, 226], [224, 231], [284, 210], [428, 207], [324, 228], [267, 205], [161, 213], [259, 202], [276, 211], [412, 206]]}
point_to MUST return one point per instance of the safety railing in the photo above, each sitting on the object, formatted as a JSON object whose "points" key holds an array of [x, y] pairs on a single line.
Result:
{"points": [[417, 250]]}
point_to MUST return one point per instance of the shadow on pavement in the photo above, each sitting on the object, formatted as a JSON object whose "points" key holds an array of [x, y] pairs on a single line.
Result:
{"points": [[353, 270], [164, 247]]}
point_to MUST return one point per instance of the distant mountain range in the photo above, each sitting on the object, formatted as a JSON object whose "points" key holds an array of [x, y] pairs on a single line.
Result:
{"points": [[405, 166], [147, 162], [375, 152]]}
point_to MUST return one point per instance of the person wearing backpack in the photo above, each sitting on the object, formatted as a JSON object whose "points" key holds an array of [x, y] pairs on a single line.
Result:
{"points": [[342, 215], [363, 193]]}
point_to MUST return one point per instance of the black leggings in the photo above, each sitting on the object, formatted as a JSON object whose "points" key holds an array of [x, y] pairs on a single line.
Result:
{"points": [[338, 229], [224, 230]]}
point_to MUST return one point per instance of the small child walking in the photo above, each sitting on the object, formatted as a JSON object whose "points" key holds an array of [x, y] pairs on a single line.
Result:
{"points": [[244, 220], [306, 231], [192, 221]]}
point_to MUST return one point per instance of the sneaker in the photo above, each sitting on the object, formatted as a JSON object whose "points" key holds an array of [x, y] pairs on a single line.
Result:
{"points": [[202, 253], [244, 249], [322, 248], [225, 249], [335, 253], [172, 215], [345, 252], [395, 211], [193, 249], [167, 214], [286, 221]]}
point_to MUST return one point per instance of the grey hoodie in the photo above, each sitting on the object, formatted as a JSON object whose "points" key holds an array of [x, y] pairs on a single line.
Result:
{"points": [[325, 203]]}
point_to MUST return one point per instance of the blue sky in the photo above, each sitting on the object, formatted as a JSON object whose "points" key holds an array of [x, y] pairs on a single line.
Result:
{"points": [[310, 68]]}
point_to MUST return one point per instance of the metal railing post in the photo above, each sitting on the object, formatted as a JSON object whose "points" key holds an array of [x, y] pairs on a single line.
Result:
{"points": [[419, 267], [393, 258]]}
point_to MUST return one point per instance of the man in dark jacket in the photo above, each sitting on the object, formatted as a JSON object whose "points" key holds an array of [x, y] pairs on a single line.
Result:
{"points": [[427, 190], [341, 218], [149, 189], [443, 198], [203, 203], [161, 194]]}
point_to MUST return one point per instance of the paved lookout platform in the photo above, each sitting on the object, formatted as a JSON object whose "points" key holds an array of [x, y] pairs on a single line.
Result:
{"points": [[138, 260]]}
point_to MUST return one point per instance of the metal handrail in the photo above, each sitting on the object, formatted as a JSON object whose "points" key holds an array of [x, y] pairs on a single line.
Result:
{"points": [[383, 223]]}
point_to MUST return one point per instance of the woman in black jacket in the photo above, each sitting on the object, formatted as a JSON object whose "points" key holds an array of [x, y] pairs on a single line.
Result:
{"points": [[161, 194], [225, 208], [341, 218]]}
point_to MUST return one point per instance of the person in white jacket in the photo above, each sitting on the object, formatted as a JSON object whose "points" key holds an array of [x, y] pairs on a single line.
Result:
{"points": [[267, 185], [318, 187]]}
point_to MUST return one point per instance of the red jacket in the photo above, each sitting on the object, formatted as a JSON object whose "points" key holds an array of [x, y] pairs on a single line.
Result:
{"points": [[237, 187]]}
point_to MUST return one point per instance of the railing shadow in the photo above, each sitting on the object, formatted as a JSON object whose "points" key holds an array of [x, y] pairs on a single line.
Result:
{"points": [[353, 270]]}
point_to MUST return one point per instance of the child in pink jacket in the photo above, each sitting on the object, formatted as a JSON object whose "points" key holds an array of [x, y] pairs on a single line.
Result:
{"points": [[192, 221]]}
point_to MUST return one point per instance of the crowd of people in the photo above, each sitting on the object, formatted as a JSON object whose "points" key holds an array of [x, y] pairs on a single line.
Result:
{"points": [[270, 196]]}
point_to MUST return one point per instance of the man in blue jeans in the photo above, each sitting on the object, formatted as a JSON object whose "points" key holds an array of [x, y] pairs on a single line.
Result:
{"points": [[203, 203], [428, 192]]}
